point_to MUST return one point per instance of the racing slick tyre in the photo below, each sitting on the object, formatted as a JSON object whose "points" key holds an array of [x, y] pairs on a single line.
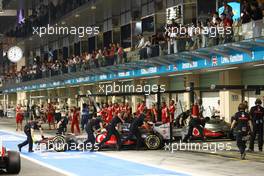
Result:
{"points": [[59, 143], [13, 163], [153, 142]]}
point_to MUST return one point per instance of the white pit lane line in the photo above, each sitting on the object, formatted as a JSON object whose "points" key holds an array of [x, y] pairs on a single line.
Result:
{"points": [[101, 153], [39, 162]]}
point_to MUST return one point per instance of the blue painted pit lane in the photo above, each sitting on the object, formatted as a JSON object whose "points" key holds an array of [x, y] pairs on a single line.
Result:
{"points": [[86, 163]]}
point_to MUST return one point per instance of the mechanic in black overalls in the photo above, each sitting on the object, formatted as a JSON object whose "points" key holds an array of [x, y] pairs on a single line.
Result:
{"points": [[84, 116], [29, 131], [243, 125], [93, 125], [62, 124], [195, 122], [111, 130], [257, 114], [134, 129]]}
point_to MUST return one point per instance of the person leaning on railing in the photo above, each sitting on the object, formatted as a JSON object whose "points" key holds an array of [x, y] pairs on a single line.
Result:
{"points": [[257, 18]]}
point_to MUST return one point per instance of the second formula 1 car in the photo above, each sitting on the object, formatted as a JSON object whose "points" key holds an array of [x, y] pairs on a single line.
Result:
{"points": [[9, 161]]}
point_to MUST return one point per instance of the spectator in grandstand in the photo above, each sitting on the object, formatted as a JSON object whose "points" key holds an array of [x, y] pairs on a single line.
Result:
{"points": [[140, 45], [120, 54], [228, 32], [100, 58], [228, 11], [246, 12], [257, 18], [148, 50], [112, 54]]}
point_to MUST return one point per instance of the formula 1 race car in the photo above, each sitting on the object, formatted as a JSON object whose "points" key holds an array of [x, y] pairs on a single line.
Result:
{"points": [[9, 161], [213, 128], [152, 140], [61, 143]]}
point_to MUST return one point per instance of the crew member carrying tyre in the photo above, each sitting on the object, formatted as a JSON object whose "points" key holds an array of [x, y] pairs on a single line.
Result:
{"points": [[29, 131], [134, 128], [94, 125], [243, 126], [257, 114], [195, 122], [111, 130]]}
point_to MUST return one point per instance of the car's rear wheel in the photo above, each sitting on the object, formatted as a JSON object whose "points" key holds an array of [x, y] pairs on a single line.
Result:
{"points": [[153, 142], [59, 144], [13, 162]]}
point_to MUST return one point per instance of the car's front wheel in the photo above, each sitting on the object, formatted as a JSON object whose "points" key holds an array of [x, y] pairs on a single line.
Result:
{"points": [[13, 162], [153, 142]]}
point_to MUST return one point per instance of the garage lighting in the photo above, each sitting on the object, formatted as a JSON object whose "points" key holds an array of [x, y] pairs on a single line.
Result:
{"points": [[223, 69], [75, 86], [88, 84], [152, 77], [93, 7], [106, 82], [181, 74], [125, 80], [258, 65]]}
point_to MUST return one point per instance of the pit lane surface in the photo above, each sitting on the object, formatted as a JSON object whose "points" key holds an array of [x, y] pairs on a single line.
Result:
{"points": [[83, 163], [225, 163], [29, 168]]}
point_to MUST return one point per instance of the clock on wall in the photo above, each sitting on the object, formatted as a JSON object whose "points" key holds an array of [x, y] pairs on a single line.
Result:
{"points": [[15, 54]]}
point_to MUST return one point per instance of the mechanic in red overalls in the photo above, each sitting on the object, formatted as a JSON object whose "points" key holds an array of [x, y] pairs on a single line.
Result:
{"points": [[109, 113], [141, 108], [128, 108], [137, 109], [19, 117], [172, 110], [128, 113], [123, 107], [103, 112], [154, 113], [165, 113], [75, 120], [50, 115], [116, 109]]}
